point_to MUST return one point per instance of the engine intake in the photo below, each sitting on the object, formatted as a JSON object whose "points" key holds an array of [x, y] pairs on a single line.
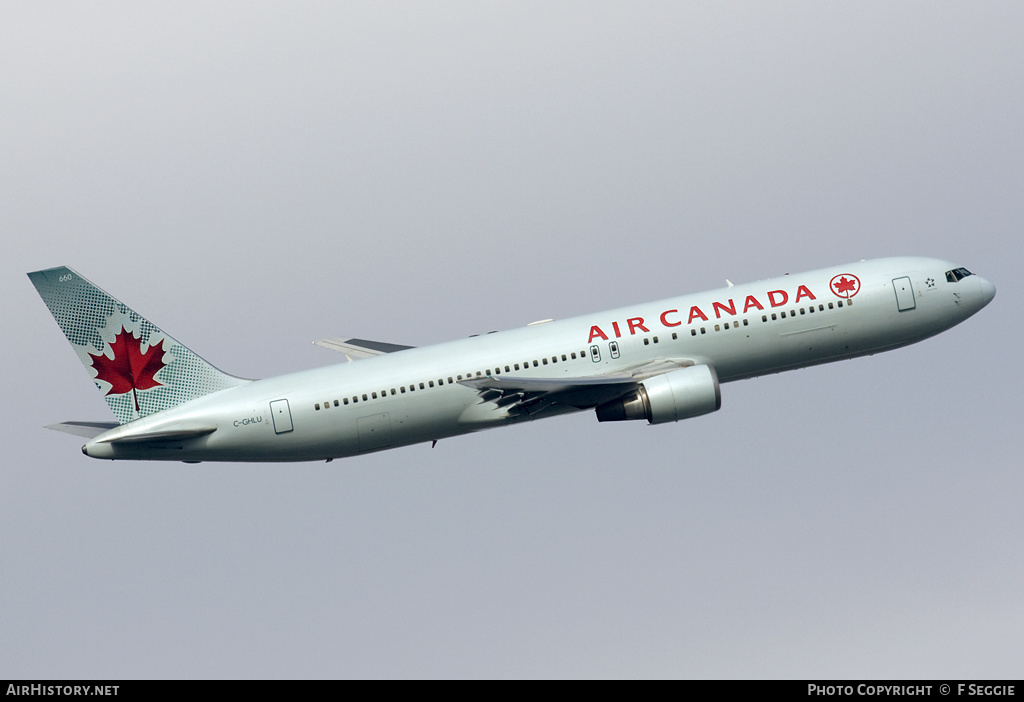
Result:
{"points": [[681, 394]]}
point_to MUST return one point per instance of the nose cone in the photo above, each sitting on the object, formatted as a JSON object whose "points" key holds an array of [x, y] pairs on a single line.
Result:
{"points": [[987, 291]]}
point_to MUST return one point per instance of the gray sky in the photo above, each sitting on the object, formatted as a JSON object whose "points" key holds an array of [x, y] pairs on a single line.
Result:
{"points": [[255, 176]]}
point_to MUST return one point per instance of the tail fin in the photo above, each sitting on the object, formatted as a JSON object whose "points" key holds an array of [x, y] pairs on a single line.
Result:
{"points": [[139, 369]]}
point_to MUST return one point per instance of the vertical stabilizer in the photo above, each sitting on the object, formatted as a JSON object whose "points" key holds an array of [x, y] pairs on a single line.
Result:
{"points": [[139, 369]]}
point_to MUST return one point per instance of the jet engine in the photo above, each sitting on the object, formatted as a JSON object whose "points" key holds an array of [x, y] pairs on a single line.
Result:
{"points": [[681, 394]]}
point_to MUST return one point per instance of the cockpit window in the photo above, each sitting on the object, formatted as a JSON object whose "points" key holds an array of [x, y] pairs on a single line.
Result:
{"points": [[957, 274]]}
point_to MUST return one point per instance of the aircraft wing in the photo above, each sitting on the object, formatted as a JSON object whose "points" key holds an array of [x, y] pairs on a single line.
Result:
{"points": [[519, 395], [354, 349]]}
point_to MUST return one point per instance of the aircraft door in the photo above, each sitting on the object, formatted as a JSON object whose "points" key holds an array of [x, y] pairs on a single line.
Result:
{"points": [[282, 415], [904, 294]]}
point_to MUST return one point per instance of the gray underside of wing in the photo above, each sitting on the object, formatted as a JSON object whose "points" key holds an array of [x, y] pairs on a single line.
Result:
{"points": [[533, 394], [519, 395]]}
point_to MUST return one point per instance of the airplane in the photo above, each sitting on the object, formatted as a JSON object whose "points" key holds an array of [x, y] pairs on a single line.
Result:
{"points": [[661, 362]]}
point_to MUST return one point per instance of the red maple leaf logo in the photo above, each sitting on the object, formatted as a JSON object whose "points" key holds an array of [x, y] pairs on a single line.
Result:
{"points": [[845, 285], [129, 369]]}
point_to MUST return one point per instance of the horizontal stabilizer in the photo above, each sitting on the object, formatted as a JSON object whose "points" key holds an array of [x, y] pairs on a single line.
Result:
{"points": [[179, 434], [360, 348], [86, 429]]}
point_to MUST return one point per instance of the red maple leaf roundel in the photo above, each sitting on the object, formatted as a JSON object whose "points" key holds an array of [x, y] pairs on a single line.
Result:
{"points": [[845, 285], [130, 368]]}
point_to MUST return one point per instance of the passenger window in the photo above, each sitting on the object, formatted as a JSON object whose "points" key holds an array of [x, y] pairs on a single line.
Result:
{"points": [[647, 342], [431, 383], [693, 332], [335, 403], [317, 406]]}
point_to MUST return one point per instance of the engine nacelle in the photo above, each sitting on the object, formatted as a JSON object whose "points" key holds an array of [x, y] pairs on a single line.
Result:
{"points": [[681, 394]]}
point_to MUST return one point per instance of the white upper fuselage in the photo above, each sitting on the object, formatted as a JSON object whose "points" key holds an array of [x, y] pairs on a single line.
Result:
{"points": [[416, 395]]}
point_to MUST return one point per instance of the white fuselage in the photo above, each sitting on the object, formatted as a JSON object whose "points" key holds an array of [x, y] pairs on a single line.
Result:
{"points": [[415, 395]]}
